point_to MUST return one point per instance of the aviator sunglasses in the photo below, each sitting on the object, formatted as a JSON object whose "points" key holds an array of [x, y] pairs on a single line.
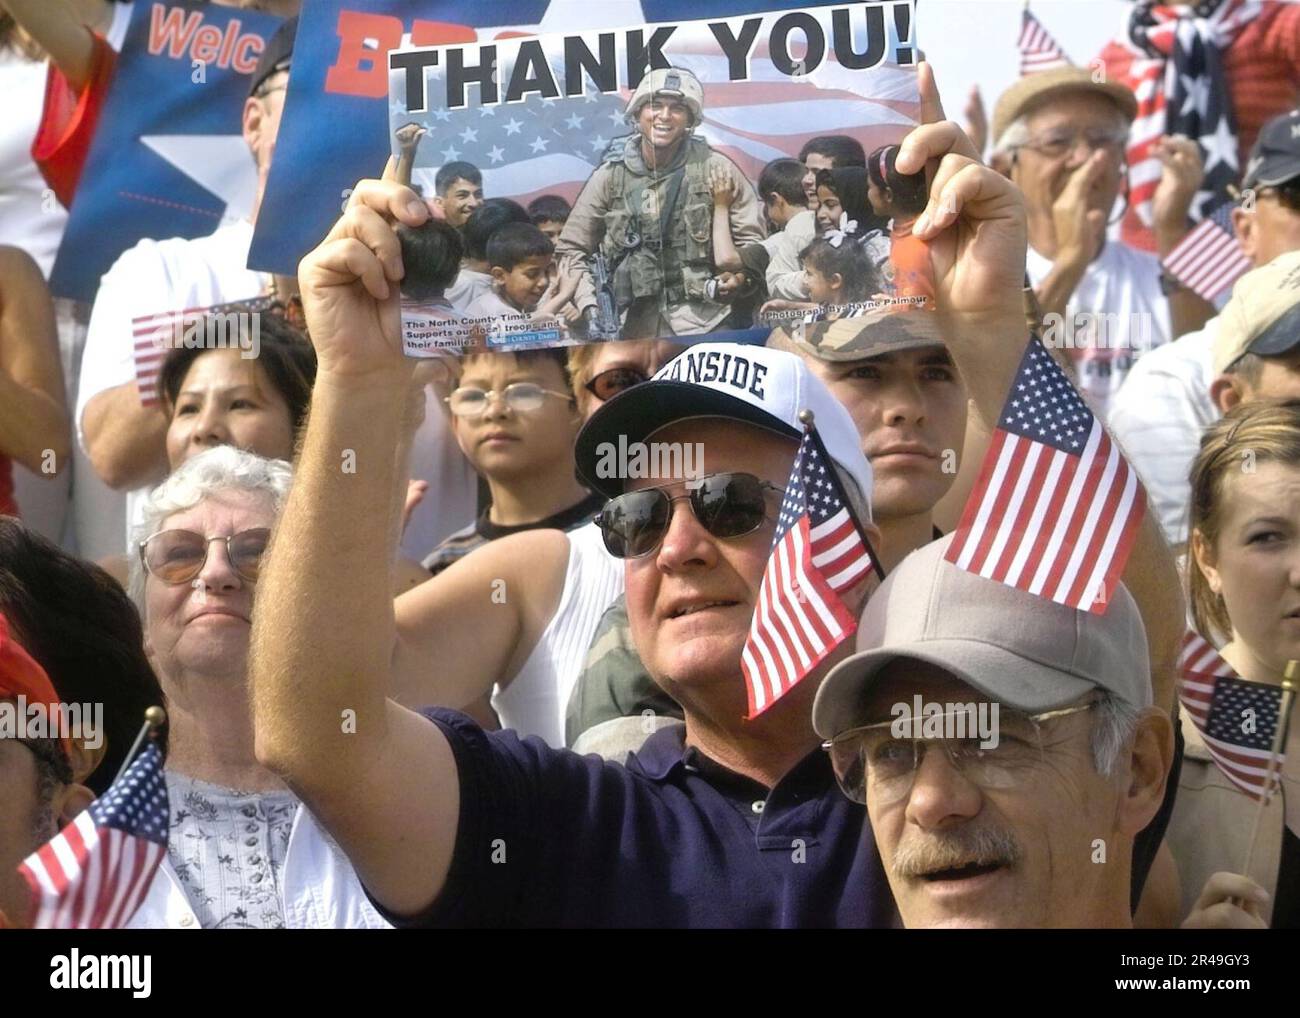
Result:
{"points": [[178, 556], [726, 504]]}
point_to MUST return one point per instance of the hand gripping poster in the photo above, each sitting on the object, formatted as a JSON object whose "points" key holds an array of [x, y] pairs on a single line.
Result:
{"points": [[678, 181]]}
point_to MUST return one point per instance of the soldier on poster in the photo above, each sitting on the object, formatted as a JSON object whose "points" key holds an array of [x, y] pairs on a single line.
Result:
{"points": [[644, 220]]}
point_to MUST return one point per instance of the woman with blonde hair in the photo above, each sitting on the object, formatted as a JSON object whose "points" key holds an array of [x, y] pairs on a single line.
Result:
{"points": [[1244, 580]]}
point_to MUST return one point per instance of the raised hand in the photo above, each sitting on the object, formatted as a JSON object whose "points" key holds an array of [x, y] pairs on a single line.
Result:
{"points": [[974, 223], [349, 285], [1229, 901]]}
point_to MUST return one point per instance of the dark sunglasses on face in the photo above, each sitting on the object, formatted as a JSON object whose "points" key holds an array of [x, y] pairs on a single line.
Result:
{"points": [[609, 384], [178, 556], [726, 504]]}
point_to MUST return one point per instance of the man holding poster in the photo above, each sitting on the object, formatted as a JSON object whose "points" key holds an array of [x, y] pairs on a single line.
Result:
{"points": [[648, 209]]}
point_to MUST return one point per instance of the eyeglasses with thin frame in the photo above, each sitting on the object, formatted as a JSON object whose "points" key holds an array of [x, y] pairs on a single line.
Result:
{"points": [[610, 383], [727, 505], [178, 556], [521, 397], [871, 756], [1061, 141]]}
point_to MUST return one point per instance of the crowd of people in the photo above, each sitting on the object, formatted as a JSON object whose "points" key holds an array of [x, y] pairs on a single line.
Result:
{"points": [[428, 661]]}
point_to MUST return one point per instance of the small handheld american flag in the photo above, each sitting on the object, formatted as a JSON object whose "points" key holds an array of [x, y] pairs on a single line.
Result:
{"points": [[95, 873], [1237, 719], [1039, 51], [818, 551], [1056, 507], [1209, 260]]}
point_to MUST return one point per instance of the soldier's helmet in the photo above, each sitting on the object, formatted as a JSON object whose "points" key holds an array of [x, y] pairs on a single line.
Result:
{"points": [[674, 82]]}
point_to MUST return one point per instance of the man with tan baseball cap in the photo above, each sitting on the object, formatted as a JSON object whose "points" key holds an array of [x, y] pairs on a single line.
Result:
{"points": [[892, 371], [1005, 746], [1256, 350], [1061, 137]]}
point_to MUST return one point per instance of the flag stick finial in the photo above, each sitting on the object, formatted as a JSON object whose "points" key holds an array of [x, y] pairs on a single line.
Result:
{"points": [[153, 720], [806, 418]]}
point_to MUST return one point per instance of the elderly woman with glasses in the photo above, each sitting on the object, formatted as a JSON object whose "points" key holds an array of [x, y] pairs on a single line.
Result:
{"points": [[242, 852]]}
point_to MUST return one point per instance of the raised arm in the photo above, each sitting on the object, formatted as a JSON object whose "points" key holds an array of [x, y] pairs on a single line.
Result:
{"points": [[381, 778], [975, 224], [33, 411], [476, 622], [62, 28]]}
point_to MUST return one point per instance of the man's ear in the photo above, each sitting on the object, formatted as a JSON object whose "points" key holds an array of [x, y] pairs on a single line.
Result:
{"points": [[1243, 224], [254, 121], [1150, 757], [69, 801], [1227, 391], [498, 274], [836, 280], [85, 759]]}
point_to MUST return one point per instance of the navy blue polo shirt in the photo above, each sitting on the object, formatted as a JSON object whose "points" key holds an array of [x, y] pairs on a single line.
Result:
{"points": [[674, 839]]}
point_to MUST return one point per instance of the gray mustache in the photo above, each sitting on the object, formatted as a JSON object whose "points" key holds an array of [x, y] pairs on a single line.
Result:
{"points": [[968, 845]]}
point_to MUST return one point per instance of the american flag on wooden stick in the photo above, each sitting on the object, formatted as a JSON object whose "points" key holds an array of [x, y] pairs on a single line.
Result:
{"points": [[1039, 51], [818, 551], [1237, 719], [1056, 507], [1209, 260], [95, 873]]}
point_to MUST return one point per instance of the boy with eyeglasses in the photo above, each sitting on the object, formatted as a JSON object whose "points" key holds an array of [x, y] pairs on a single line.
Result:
{"points": [[515, 419]]}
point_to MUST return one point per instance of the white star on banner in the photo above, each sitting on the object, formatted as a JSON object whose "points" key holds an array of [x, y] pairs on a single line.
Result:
{"points": [[497, 154], [539, 144], [1198, 94], [574, 121], [468, 135], [1220, 147], [451, 153], [220, 163], [513, 126]]}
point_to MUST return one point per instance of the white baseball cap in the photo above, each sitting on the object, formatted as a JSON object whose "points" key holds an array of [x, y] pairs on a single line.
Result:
{"points": [[764, 387]]}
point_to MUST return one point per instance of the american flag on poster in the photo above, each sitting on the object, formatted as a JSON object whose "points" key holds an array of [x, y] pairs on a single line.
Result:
{"points": [[95, 873], [545, 145], [1056, 507], [1237, 719], [817, 552], [153, 337], [1209, 260], [1039, 51]]}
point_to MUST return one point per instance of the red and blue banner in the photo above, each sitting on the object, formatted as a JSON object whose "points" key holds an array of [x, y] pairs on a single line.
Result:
{"points": [[169, 158]]}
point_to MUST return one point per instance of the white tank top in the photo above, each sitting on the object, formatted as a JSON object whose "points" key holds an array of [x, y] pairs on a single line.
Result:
{"points": [[535, 701]]}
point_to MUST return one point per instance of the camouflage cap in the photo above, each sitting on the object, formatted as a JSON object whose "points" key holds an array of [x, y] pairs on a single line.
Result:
{"points": [[884, 330]]}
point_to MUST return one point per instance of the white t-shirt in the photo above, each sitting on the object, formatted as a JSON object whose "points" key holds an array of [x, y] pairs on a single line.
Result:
{"points": [[470, 284], [153, 277], [1158, 416], [176, 274], [535, 701], [1118, 301], [784, 272], [27, 219]]}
